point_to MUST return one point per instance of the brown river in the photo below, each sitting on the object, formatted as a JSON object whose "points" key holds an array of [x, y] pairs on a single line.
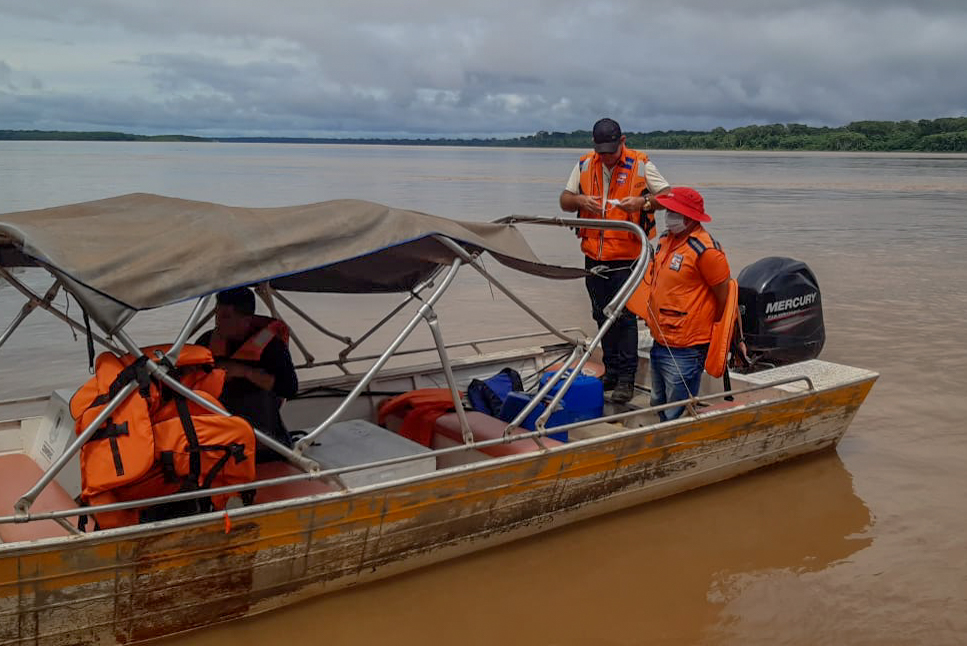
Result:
{"points": [[864, 545]]}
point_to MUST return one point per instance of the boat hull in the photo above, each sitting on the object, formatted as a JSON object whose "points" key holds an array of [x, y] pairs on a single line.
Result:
{"points": [[138, 583]]}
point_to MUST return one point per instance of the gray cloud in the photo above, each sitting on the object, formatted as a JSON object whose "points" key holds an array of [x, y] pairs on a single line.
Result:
{"points": [[431, 68], [6, 76]]}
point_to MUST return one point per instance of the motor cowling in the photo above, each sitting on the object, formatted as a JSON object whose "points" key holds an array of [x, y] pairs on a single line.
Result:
{"points": [[782, 314]]}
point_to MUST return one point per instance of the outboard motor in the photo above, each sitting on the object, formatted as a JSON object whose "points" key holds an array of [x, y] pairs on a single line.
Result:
{"points": [[782, 312]]}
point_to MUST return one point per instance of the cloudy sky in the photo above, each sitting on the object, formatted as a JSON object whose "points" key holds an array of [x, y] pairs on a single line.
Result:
{"points": [[427, 68]]}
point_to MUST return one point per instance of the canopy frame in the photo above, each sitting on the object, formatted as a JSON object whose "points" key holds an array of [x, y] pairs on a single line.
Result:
{"points": [[569, 370]]}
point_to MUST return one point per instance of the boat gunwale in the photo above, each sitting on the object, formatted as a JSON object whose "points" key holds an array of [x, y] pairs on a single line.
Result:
{"points": [[260, 509]]}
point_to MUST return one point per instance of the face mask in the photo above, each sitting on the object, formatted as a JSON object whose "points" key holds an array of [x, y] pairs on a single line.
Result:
{"points": [[675, 222]]}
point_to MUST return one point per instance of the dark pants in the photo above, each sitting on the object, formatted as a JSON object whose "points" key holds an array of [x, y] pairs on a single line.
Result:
{"points": [[620, 343]]}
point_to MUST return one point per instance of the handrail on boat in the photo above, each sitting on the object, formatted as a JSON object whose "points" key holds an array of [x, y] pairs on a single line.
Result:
{"points": [[335, 473], [425, 310], [475, 343], [570, 370]]}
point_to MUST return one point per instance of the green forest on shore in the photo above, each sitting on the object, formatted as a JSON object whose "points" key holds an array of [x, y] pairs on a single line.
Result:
{"points": [[937, 135]]}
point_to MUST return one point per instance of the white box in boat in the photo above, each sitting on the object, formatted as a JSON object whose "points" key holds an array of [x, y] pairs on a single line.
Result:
{"points": [[357, 441], [55, 432]]}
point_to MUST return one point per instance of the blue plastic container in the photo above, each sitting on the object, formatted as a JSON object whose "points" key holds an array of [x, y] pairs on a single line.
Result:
{"points": [[584, 400], [515, 403]]}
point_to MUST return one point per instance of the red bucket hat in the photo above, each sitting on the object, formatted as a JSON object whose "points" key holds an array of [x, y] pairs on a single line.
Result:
{"points": [[685, 200]]}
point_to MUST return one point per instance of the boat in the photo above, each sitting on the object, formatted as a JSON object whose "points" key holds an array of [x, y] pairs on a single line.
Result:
{"points": [[337, 512]]}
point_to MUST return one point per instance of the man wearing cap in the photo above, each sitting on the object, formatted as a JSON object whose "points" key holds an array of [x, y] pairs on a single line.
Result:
{"points": [[688, 281], [259, 374], [613, 182]]}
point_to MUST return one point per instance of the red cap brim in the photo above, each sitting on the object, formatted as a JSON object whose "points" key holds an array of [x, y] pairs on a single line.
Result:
{"points": [[680, 207]]}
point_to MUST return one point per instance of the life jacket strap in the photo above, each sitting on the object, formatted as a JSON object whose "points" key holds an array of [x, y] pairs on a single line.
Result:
{"points": [[194, 457], [111, 431]]}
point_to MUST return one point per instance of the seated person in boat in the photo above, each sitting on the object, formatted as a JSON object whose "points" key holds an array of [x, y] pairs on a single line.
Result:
{"points": [[259, 375], [689, 285]]}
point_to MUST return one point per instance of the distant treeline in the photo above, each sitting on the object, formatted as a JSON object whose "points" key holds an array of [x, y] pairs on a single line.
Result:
{"points": [[58, 135], [936, 135]]}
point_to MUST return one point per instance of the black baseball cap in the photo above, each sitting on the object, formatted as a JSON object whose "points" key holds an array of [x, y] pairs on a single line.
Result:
{"points": [[241, 298], [607, 136]]}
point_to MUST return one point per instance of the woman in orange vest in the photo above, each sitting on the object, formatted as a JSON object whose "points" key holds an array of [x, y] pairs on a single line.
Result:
{"points": [[688, 281], [259, 375], [613, 182]]}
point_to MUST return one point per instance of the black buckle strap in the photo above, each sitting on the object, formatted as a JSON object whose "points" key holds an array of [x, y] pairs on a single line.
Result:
{"points": [[137, 371], [111, 431], [167, 461], [191, 435]]}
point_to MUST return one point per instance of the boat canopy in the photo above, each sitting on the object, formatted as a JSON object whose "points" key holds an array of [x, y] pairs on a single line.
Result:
{"points": [[140, 251]]}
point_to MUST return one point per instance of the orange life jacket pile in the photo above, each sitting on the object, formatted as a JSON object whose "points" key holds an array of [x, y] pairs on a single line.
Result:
{"points": [[158, 442], [419, 409]]}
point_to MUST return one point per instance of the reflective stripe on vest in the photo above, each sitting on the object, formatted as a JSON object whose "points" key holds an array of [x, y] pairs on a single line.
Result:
{"points": [[255, 345]]}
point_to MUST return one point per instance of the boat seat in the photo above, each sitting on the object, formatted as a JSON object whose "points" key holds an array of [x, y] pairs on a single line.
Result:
{"points": [[279, 469], [20, 473], [484, 427]]}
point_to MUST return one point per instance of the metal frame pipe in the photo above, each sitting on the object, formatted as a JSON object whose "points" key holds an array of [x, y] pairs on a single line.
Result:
{"points": [[42, 303], [472, 261], [160, 373], [434, 323], [413, 295], [304, 443], [23, 504], [267, 294]]}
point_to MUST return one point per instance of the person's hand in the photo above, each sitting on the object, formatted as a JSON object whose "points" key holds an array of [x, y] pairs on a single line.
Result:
{"points": [[632, 204], [589, 203]]}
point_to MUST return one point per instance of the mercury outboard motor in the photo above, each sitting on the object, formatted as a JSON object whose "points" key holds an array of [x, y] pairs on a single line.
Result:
{"points": [[782, 312]]}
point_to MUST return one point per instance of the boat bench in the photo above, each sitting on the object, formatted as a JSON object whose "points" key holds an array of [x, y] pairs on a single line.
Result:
{"points": [[299, 489], [484, 427], [20, 473]]}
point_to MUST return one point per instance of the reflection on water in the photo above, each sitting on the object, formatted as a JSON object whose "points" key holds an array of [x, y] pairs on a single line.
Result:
{"points": [[655, 570], [867, 545]]}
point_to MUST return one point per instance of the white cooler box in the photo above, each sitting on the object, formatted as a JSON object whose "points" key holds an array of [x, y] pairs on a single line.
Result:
{"points": [[357, 441], [54, 433]]}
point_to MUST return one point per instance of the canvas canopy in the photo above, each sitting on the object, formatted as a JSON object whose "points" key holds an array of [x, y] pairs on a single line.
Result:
{"points": [[141, 251]]}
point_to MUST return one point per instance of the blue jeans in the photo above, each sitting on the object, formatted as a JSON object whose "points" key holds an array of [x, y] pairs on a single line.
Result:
{"points": [[676, 374]]}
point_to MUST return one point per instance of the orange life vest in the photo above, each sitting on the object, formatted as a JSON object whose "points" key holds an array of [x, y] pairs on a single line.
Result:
{"points": [[627, 180], [722, 332], [419, 409], [266, 329], [157, 442], [681, 306]]}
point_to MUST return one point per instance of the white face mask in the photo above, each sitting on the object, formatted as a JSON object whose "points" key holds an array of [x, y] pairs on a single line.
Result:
{"points": [[675, 222]]}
